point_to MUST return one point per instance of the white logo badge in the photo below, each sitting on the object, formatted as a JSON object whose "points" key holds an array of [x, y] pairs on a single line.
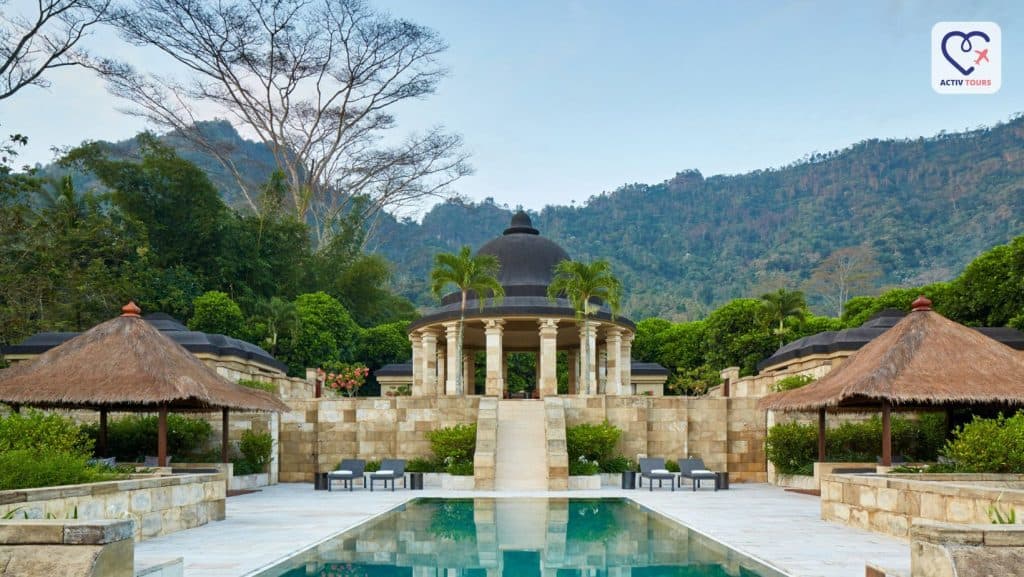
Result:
{"points": [[966, 57]]}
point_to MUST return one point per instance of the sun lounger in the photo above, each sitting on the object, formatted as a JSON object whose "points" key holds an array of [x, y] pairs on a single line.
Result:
{"points": [[347, 472], [695, 471], [653, 469], [390, 469]]}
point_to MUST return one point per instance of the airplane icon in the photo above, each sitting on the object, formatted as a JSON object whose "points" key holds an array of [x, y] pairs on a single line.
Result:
{"points": [[982, 55]]}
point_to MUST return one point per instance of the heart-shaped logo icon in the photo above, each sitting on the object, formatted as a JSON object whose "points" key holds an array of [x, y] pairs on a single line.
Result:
{"points": [[965, 47]]}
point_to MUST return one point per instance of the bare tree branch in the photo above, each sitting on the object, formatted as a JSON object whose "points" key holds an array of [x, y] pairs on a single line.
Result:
{"points": [[316, 81], [48, 39]]}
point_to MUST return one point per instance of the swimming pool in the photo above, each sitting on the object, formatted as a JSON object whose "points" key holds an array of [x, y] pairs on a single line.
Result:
{"points": [[521, 538]]}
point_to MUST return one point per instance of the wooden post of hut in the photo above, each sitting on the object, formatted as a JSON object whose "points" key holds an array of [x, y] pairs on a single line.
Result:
{"points": [[102, 440], [886, 433], [161, 439], [821, 435], [224, 435]]}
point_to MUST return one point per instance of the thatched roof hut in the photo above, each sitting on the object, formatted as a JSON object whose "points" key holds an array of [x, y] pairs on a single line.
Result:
{"points": [[125, 364], [925, 360]]}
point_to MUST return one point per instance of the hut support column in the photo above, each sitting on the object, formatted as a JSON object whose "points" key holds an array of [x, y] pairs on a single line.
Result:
{"points": [[451, 335], [224, 435], [574, 370], [102, 441], [821, 435], [886, 434], [161, 438], [429, 355], [613, 364], [417, 365], [626, 362]]}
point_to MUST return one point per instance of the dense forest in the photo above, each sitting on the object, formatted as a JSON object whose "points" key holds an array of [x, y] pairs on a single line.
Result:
{"points": [[917, 210]]}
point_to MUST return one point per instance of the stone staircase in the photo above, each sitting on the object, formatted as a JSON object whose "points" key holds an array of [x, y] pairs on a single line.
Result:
{"points": [[521, 459]]}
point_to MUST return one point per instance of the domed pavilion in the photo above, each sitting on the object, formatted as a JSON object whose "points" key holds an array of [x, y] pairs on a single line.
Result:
{"points": [[524, 321]]}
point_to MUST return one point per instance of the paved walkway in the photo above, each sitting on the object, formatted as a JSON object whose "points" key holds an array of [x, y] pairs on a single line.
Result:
{"points": [[780, 529]]}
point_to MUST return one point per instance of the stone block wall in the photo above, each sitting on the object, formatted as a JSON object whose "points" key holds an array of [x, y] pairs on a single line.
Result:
{"points": [[158, 505], [484, 463], [727, 433], [889, 504], [558, 453], [67, 547], [318, 433], [945, 550]]}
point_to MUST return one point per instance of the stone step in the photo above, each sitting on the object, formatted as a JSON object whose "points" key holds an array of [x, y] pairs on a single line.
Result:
{"points": [[521, 453]]}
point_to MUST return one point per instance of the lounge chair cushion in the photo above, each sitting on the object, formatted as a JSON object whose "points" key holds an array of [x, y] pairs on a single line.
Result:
{"points": [[342, 472], [384, 472], [660, 472], [702, 472]]}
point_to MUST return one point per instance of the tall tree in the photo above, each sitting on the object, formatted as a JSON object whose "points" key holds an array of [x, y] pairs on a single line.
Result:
{"points": [[318, 81], [582, 284], [782, 305], [467, 272], [33, 43], [846, 272]]}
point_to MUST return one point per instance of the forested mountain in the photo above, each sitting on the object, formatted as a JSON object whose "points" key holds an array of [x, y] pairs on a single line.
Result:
{"points": [[920, 209], [923, 207]]}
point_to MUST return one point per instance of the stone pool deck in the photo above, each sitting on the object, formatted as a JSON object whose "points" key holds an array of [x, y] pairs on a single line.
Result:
{"points": [[778, 528]]}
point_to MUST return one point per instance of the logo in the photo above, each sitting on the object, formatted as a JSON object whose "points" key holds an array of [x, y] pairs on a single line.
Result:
{"points": [[966, 57]]}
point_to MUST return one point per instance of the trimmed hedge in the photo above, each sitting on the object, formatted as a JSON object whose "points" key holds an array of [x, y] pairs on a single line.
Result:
{"points": [[793, 447], [454, 448], [591, 449], [27, 468], [133, 437], [37, 430]]}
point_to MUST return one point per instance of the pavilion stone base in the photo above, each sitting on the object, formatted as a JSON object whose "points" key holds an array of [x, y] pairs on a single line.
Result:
{"points": [[728, 433], [890, 504]]}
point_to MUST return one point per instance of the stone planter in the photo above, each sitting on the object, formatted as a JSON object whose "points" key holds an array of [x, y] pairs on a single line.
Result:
{"points": [[433, 480], [457, 482], [248, 482], [805, 482], [585, 482]]}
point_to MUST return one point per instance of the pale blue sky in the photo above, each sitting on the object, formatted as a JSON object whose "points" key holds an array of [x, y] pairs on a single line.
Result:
{"points": [[558, 101]]}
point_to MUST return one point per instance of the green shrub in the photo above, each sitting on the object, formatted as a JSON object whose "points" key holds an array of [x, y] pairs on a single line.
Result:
{"points": [[453, 444], [792, 382], [371, 466], [215, 312], [617, 464], [257, 449], [258, 385], [672, 466], [461, 468], [793, 447], [27, 468], [37, 430], [989, 445], [419, 465], [583, 466], [133, 437], [592, 442], [243, 466]]}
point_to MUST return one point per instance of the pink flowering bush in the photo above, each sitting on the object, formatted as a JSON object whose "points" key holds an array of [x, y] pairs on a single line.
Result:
{"points": [[345, 379]]}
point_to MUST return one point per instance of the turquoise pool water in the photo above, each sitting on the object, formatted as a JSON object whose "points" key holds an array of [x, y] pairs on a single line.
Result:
{"points": [[520, 538]]}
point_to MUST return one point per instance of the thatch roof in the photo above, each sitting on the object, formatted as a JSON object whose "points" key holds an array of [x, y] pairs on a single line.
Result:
{"points": [[126, 364], [924, 360]]}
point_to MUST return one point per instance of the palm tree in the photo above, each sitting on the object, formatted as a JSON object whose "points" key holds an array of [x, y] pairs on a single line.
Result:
{"points": [[580, 283], [468, 273], [279, 315], [781, 306]]}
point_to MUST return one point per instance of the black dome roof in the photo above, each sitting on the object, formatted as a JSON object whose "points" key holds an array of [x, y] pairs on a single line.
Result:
{"points": [[855, 338], [526, 257], [193, 341], [527, 267]]}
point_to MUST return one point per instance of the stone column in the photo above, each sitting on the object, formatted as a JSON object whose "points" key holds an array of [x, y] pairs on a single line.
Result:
{"points": [[441, 353], [417, 364], [602, 369], [451, 334], [468, 372], [626, 362], [429, 337], [574, 370], [494, 331], [588, 352], [547, 358], [613, 366]]}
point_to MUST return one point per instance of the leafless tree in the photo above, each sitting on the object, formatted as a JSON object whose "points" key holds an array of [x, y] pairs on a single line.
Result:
{"points": [[848, 271], [43, 39], [316, 80]]}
